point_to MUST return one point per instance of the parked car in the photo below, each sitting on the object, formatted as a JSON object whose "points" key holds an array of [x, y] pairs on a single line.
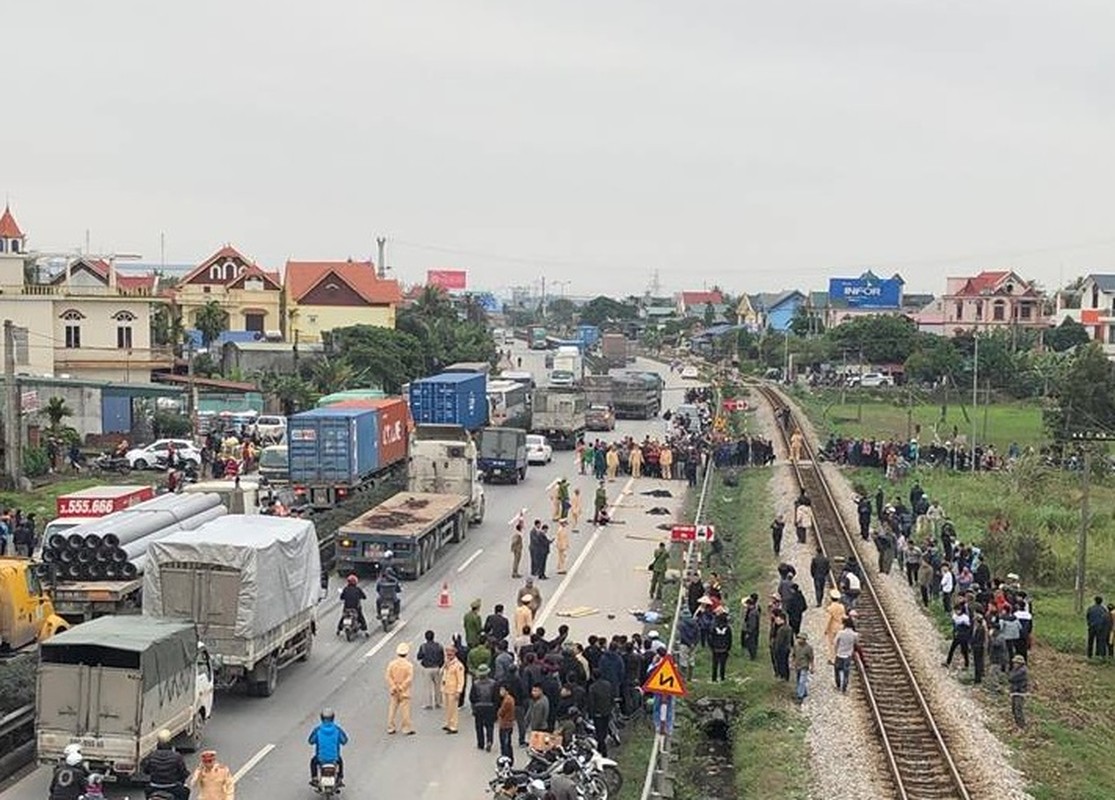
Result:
{"points": [[156, 452], [690, 373], [538, 449], [600, 417], [271, 427], [870, 380]]}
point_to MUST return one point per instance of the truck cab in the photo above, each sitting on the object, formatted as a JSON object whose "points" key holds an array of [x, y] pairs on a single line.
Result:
{"points": [[502, 455], [27, 614], [443, 460], [239, 495]]}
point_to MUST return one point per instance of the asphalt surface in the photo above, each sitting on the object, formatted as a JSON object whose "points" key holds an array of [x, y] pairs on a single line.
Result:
{"points": [[264, 739]]}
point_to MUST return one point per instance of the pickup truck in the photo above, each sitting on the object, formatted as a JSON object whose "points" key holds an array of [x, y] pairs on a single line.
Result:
{"points": [[112, 684]]}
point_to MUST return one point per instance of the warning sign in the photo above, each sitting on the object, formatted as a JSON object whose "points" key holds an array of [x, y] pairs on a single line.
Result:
{"points": [[691, 533], [665, 679]]}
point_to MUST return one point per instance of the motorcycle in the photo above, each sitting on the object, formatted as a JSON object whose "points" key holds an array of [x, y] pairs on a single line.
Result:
{"points": [[106, 462], [328, 784], [385, 612], [350, 624]]}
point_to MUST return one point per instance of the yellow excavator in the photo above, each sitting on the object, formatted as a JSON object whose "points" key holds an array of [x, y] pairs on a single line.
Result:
{"points": [[27, 614]]}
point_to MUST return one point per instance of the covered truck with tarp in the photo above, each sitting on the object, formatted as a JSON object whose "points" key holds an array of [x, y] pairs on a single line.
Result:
{"points": [[250, 584], [113, 683]]}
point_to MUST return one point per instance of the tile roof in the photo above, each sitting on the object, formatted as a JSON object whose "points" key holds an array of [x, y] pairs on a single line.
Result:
{"points": [[99, 267], [700, 298], [226, 252], [9, 229], [983, 282], [303, 276]]}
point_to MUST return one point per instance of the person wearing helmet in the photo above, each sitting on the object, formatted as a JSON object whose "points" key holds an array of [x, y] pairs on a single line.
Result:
{"points": [[213, 780], [388, 588], [166, 769], [327, 739], [352, 597], [70, 777]]}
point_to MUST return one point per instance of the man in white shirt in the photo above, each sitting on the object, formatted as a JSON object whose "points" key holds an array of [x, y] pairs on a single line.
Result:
{"points": [[845, 646]]}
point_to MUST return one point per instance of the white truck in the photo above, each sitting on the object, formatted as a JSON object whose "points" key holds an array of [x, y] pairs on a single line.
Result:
{"points": [[443, 461], [250, 584], [113, 683], [569, 367]]}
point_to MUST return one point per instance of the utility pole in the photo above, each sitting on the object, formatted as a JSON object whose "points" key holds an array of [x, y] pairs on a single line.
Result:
{"points": [[859, 389], [542, 305], [1082, 542], [975, 399], [13, 457], [909, 412]]}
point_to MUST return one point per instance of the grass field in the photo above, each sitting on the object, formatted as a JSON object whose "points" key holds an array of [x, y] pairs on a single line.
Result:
{"points": [[40, 500], [1066, 751], [889, 412]]}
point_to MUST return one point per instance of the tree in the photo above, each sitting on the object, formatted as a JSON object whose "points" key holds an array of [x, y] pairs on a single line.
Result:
{"points": [[709, 315], [167, 329], [882, 338], [601, 310], [561, 310], [806, 322], [211, 322], [333, 374], [388, 358], [1066, 336], [56, 411], [1084, 400], [292, 391]]}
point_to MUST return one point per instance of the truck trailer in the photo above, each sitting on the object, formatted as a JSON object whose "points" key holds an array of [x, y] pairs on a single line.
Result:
{"points": [[250, 585], [614, 349], [559, 415]]}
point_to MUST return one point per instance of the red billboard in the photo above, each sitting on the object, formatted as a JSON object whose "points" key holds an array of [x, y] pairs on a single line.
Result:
{"points": [[448, 279]]}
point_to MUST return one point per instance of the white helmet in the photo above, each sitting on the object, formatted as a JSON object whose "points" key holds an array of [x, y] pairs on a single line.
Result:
{"points": [[73, 747], [73, 758]]}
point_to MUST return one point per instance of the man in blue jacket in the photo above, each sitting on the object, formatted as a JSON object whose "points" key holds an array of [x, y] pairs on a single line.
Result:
{"points": [[327, 739]]}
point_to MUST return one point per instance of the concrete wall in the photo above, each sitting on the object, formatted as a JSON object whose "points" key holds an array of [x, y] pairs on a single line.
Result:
{"points": [[310, 321]]}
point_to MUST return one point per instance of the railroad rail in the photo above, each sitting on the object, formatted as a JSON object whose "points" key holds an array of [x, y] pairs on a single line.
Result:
{"points": [[913, 746]]}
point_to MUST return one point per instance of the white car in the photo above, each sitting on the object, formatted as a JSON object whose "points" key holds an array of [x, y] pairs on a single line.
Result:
{"points": [[271, 427], [870, 380], [690, 374], [538, 449], [150, 455]]}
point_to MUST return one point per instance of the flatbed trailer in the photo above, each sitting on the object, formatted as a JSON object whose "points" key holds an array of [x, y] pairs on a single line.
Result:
{"points": [[81, 601], [414, 526]]}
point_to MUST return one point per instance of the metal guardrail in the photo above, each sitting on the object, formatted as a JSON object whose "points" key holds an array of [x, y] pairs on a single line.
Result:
{"points": [[17, 719], [657, 770], [16, 754]]}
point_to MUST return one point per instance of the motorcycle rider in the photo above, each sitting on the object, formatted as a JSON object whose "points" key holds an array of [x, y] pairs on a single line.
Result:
{"points": [[166, 769], [387, 590], [70, 777], [351, 598], [327, 739]]}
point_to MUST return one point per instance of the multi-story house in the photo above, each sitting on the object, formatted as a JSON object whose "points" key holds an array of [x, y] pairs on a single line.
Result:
{"points": [[1097, 309], [323, 295], [250, 296], [87, 322], [992, 300]]}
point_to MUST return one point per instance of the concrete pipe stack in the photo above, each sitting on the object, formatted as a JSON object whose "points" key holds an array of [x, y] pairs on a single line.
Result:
{"points": [[114, 547]]}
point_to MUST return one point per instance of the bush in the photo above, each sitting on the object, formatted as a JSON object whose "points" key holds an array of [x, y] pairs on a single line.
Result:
{"points": [[168, 424], [35, 462]]}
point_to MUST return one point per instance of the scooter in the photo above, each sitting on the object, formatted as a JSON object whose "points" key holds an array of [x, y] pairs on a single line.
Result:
{"points": [[385, 612], [350, 624], [328, 784]]}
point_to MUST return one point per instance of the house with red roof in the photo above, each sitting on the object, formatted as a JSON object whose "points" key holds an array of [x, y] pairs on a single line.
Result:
{"points": [[250, 296], [992, 299], [323, 295], [692, 304]]}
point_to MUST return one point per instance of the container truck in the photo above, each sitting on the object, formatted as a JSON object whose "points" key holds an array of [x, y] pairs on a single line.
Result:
{"points": [[502, 455], [443, 461], [413, 526], [112, 684], [455, 398], [250, 585], [559, 415], [536, 338], [341, 450], [508, 404], [614, 347]]}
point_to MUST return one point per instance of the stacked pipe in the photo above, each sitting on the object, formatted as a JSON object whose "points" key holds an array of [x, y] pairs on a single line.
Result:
{"points": [[115, 547]]}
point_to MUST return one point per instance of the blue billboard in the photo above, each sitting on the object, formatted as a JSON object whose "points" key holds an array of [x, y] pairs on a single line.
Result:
{"points": [[866, 293]]}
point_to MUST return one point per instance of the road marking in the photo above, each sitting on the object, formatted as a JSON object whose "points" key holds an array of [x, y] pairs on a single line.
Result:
{"points": [[383, 642], [581, 557], [469, 560], [244, 770]]}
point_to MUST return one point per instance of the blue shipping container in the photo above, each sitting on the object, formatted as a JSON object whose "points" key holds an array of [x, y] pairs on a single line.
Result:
{"points": [[334, 446], [589, 334], [452, 398]]}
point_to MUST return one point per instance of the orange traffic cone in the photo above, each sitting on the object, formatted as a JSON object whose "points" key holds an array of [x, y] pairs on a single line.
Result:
{"points": [[443, 597]]}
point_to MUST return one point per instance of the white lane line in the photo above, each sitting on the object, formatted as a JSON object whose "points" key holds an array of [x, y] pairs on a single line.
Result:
{"points": [[469, 560], [382, 643], [581, 557], [244, 770]]}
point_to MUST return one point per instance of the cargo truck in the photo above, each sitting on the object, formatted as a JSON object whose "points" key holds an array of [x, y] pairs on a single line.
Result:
{"points": [[614, 347], [250, 585], [536, 338], [338, 451], [502, 455], [86, 505], [443, 461], [569, 367], [559, 415], [451, 398], [413, 527], [112, 684], [637, 395], [508, 404]]}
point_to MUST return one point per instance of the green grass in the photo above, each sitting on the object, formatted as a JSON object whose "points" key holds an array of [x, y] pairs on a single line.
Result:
{"points": [[891, 412], [1065, 753], [40, 501]]}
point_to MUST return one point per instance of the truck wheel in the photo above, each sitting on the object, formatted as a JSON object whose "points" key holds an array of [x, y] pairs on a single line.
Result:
{"points": [[266, 687], [191, 741], [309, 648]]}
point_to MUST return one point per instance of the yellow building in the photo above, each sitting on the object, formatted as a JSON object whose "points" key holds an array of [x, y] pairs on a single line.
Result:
{"points": [[88, 322], [252, 297], [323, 295]]}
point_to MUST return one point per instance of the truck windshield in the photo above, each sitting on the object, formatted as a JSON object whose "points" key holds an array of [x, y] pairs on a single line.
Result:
{"points": [[273, 458], [499, 444]]}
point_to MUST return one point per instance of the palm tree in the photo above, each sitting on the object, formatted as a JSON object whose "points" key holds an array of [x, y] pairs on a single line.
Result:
{"points": [[335, 375], [56, 410], [211, 322]]}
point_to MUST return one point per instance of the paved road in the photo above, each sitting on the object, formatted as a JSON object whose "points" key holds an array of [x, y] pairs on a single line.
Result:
{"points": [[264, 739]]}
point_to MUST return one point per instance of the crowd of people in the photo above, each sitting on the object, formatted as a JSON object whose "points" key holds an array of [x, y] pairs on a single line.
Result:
{"points": [[896, 457]]}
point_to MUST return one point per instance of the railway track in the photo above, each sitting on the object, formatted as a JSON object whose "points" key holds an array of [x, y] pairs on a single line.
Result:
{"points": [[914, 748]]}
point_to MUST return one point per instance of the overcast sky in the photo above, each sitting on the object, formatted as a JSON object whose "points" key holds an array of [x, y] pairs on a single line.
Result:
{"points": [[754, 145]]}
